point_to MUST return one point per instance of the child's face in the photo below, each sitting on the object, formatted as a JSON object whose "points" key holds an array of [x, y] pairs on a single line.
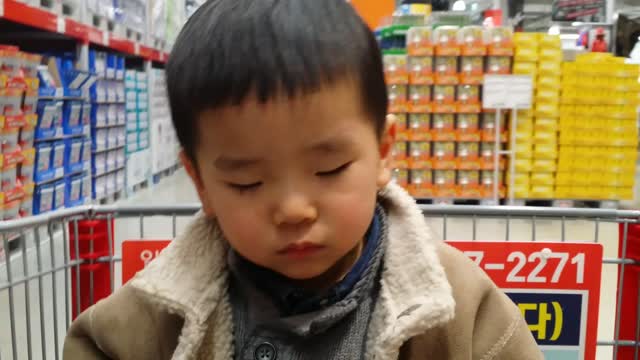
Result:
{"points": [[292, 182]]}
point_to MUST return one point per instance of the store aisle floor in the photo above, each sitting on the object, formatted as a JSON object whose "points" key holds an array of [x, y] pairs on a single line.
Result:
{"points": [[177, 189]]}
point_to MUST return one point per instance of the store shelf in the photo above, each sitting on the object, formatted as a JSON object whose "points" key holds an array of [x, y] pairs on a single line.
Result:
{"points": [[109, 171], [109, 149], [45, 20]]}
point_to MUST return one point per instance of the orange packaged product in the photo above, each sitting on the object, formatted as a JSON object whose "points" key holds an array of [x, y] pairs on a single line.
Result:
{"points": [[469, 177], [421, 70], [401, 177], [420, 98], [471, 70], [10, 61], [402, 132], [467, 126], [443, 127], [419, 154], [444, 150], [500, 41], [397, 98], [419, 41], [399, 154], [421, 183], [419, 127], [500, 65], [444, 178], [469, 99], [468, 150], [446, 41], [471, 40], [446, 70], [395, 69]]}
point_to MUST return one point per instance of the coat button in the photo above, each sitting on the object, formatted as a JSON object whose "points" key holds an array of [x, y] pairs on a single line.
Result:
{"points": [[265, 351]]}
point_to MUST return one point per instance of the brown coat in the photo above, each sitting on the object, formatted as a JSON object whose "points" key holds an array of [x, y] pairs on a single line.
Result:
{"points": [[434, 303]]}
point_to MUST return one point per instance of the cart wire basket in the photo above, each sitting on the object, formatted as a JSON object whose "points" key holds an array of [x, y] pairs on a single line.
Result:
{"points": [[55, 265]]}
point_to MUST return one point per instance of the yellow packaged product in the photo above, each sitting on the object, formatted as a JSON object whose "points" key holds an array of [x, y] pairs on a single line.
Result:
{"points": [[564, 178], [526, 54], [545, 137], [523, 165], [524, 150], [542, 192], [544, 151], [525, 68], [525, 39], [624, 193], [549, 81], [547, 110], [549, 41], [524, 135], [519, 178], [521, 191], [563, 192], [543, 178], [549, 67], [542, 165], [550, 55], [546, 124]]}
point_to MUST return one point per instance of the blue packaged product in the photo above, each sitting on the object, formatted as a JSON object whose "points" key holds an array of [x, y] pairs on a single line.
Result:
{"points": [[43, 169], [73, 191], [73, 155], [59, 194], [43, 199], [57, 158], [72, 111], [49, 118]]}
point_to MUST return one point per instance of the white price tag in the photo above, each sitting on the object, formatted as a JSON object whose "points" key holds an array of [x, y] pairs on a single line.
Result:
{"points": [[61, 25], [507, 92]]}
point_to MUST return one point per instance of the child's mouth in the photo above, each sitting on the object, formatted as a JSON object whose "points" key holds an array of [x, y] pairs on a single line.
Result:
{"points": [[300, 250]]}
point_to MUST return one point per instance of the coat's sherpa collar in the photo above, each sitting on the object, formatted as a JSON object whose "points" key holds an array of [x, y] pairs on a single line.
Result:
{"points": [[189, 278]]}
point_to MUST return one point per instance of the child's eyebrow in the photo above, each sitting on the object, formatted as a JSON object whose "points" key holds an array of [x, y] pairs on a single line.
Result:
{"points": [[331, 145], [231, 164]]}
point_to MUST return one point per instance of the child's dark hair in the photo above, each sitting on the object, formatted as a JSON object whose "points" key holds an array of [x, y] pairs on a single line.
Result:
{"points": [[232, 49]]}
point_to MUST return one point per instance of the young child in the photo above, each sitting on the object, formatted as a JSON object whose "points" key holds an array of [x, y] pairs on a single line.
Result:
{"points": [[303, 248]]}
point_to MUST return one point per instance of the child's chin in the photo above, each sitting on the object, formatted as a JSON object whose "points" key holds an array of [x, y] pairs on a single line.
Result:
{"points": [[302, 272]]}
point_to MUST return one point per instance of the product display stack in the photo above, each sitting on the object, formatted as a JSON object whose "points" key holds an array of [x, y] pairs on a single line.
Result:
{"points": [[138, 155], [536, 152], [598, 128], [445, 140], [18, 98], [108, 124], [164, 144]]}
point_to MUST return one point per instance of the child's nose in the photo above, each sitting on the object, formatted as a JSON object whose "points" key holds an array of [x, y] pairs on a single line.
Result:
{"points": [[295, 209]]}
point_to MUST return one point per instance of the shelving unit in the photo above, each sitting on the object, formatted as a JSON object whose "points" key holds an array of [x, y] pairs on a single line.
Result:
{"points": [[73, 136]]}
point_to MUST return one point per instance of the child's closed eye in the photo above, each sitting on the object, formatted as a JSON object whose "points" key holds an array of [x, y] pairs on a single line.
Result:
{"points": [[244, 187], [335, 171]]}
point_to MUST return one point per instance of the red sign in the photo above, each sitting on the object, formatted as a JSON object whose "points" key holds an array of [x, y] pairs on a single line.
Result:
{"points": [[136, 254], [555, 285]]}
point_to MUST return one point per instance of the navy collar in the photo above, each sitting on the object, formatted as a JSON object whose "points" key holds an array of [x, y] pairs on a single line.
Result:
{"points": [[293, 300]]}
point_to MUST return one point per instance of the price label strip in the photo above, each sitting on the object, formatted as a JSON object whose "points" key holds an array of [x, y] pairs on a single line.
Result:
{"points": [[556, 287]]}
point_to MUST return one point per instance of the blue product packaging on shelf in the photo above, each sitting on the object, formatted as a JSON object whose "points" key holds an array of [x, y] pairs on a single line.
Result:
{"points": [[143, 120], [73, 156], [112, 135], [99, 187], [59, 194], [86, 187], [120, 67], [100, 139], [99, 163], [132, 121], [87, 113], [57, 158], [43, 199], [49, 118], [111, 159], [120, 159], [98, 63], [112, 114], [43, 170], [143, 100], [72, 111], [73, 191], [143, 140], [130, 79], [121, 115], [132, 138], [132, 147], [98, 91], [86, 150], [112, 64], [99, 115], [120, 91]]}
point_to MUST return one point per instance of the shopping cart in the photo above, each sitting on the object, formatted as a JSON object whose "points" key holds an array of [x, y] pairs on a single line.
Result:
{"points": [[43, 279]]}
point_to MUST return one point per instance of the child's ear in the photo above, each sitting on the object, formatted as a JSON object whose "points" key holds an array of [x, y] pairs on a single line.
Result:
{"points": [[193, 172], [387, 140]]}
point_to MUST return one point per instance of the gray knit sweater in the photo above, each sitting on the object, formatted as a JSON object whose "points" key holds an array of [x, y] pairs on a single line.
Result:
{"points": [[328, 326]]}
